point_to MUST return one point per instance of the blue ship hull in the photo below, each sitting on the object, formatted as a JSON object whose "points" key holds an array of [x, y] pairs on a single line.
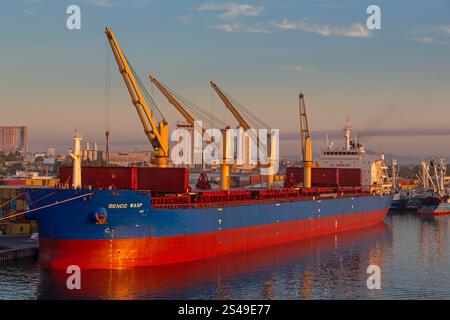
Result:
{"points": [[121, 229]]}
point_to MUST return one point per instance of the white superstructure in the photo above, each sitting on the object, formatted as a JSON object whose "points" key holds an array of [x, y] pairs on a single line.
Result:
{"points": [[353, 155], [76, 155]]}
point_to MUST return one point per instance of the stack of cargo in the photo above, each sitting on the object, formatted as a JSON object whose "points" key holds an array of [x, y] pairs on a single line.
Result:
{"points": [[243, 181], [10, 203], [13, 182], [257, 179], [175, 180], [50, 182], [102, 177], [240, 181], [328, 177]]}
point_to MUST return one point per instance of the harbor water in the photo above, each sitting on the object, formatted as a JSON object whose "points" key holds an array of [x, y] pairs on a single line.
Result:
{"points": [[412, 252]]}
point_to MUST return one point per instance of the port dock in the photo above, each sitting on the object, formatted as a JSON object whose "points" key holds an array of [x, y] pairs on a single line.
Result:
{"points": [[17, 247]]}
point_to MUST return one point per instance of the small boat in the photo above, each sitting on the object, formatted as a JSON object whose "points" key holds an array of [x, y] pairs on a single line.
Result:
{"points": [[400, 201], [435, 206], [413, 204]]}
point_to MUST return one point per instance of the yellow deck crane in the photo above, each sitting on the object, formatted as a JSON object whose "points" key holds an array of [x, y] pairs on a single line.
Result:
{"points": [[247, 121], [156, 132], [306, 143], [187, 109], [173, 101], [226, 101]]}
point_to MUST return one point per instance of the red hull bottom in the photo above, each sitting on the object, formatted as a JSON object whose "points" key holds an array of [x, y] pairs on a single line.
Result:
{"points": [[440, 213], [128, 253]]}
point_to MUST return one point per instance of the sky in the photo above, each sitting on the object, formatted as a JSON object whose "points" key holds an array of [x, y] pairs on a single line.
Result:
{"points": [[393, 82]]}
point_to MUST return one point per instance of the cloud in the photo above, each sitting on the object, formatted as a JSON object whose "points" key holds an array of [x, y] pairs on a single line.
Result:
{"points": [[401, 132], [227, 27], [102, 3], [232, 10], [118, 3], [296, 68], [431, 40], [444, 29], [237, 27], [185, 19], [30, 12], [433, 36], [329, 5], [356, 30], [258, 28]]}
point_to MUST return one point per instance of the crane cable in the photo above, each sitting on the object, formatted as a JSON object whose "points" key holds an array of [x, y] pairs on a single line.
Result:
{"points": [[156, 112], [29, 204], [46, 206], [107, 99], [198, 111], [212, 95], [108, 87], [247, 114]]}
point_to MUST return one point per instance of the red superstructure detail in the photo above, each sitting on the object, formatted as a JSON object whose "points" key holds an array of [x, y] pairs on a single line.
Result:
{"points": [[203, 182]]}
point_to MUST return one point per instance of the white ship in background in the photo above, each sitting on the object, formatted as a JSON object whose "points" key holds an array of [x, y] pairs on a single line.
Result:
{"points": [[374, 171]]}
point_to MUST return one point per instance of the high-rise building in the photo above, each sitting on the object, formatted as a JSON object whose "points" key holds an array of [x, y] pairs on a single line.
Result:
{"points": [[13, 139], [51, 153]]}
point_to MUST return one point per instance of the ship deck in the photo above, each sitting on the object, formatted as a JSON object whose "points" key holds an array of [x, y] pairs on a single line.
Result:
{"points": [[232, 198]]}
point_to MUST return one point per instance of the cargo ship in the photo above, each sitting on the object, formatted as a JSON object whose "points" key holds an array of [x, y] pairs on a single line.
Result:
{"points": [[122, 217], [97, 228]]}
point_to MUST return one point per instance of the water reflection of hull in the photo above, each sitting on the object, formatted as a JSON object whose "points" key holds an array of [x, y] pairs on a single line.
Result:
{"points": [[332, 252]]}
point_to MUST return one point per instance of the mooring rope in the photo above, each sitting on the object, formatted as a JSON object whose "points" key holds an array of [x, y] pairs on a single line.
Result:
{"points": [[12, 199], [29, 204], [47, 206]]}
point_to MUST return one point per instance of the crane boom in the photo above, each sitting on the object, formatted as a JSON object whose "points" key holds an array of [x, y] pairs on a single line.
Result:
{"points": [[173, 101], [306, 142], [157, 135], [242, 122], [246, 126], [304, 128]]}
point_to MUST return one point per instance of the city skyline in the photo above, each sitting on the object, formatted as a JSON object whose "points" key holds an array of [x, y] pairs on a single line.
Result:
{"points": [[393, 82]]}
